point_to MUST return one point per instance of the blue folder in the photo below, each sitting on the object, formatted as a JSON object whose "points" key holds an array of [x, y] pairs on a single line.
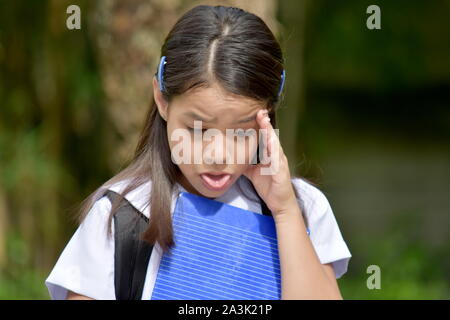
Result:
{"points": [[221, 252]]}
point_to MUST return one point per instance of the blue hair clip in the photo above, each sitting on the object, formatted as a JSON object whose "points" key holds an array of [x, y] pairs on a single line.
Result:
{"points": [[283, 77], [161, 66]]}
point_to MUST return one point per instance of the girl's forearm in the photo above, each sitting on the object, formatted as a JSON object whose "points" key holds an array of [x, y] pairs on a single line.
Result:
{"points": [[302, 274]]}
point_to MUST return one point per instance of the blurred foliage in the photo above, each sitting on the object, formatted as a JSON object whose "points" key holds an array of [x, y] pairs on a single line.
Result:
{"points": [[374, 133], [50, 126], [22, 281], [366, 115], [410, 268]]}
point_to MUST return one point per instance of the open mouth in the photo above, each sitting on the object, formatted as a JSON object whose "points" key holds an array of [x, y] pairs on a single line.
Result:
{"points": [[215, 181]]}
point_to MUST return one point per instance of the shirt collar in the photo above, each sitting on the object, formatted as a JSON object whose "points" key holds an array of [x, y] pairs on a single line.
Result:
{"points": [[139, 197]]}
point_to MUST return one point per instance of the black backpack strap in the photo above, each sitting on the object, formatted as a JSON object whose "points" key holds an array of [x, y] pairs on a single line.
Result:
{"points": [[264, 208], [131, 254]]}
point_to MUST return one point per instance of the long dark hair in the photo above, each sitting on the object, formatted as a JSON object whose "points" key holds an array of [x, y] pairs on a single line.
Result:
{"points": [[208, 44]]}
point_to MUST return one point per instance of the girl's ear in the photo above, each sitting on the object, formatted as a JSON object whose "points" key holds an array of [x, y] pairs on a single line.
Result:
{"points": [[161, 103]]}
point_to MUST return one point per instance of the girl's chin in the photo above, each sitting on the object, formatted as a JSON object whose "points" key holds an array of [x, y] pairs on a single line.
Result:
{"points": [[203, 192], [213, 195]]}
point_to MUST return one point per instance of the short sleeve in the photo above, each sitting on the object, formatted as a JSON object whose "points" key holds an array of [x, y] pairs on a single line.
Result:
{"points": [[324, 230], [86, 265]]}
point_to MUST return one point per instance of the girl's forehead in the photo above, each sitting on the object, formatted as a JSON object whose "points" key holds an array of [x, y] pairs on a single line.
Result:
{"points": [[214, 101]]}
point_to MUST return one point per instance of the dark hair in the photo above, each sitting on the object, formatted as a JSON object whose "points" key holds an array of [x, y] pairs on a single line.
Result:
{"points": [[208, 44]]}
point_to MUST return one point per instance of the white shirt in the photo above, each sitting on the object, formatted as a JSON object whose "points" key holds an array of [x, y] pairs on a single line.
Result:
{"points": [[86, 265]]}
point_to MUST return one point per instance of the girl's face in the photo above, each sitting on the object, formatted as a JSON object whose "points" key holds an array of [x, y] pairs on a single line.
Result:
{"points": [[215, 109]]}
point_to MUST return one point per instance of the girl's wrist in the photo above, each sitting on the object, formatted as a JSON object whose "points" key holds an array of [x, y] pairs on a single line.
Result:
{"points": [[289, 219], [291, 209]]}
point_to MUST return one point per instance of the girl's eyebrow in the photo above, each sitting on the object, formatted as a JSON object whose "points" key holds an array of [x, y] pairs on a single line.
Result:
{"points": [[198, 117], [248, 119]]}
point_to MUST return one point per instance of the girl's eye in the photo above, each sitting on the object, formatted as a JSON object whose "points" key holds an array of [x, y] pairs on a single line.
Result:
{"points": [[193, 129], [238, 132], [244, 133]]}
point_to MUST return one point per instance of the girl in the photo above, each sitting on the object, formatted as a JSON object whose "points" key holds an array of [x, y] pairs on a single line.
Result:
{"points": [[224, 67]]}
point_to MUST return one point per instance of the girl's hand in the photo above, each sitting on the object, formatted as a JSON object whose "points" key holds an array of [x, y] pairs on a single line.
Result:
{"points": [[274, 188]]}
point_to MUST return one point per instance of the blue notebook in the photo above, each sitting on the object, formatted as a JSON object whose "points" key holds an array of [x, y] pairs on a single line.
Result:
{"points": [[221, 252]]}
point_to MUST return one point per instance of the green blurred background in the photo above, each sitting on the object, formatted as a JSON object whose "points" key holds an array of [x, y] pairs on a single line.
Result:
{"points": [[366, 116]]}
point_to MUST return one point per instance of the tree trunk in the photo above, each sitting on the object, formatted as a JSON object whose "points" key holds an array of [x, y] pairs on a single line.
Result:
{"points": [[293, 14]]}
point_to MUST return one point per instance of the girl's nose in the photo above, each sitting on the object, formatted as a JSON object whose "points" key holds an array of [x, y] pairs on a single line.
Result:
{"points": [[215, 151], [227, 148]]}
